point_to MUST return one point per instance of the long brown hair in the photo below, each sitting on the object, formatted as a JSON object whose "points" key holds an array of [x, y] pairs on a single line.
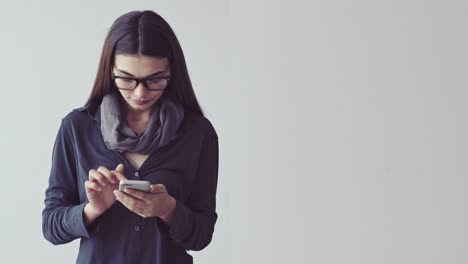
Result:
{"points": [[145, 33]]}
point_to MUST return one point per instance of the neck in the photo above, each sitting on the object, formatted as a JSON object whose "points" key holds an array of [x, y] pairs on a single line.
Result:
{"points": [[138, 116]]}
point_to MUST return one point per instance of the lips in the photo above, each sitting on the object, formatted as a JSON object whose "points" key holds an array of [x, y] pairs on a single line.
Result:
{"points": [[140, 102]]}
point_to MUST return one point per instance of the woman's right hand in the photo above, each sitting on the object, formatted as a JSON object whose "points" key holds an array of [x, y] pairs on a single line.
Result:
{"points": [[100, 190]]}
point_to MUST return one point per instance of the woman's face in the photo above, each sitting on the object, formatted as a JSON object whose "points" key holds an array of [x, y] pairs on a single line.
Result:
{"points": [[140, 99]]}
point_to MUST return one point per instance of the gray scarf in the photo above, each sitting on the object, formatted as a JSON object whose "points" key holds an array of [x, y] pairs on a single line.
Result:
{"points": [[162, 127]]}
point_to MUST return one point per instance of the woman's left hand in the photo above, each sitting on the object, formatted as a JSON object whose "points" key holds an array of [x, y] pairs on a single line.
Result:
{"points": [[156, 202]]}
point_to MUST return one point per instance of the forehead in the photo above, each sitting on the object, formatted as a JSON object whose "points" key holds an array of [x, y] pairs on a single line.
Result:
{"points": [[140, 65]]}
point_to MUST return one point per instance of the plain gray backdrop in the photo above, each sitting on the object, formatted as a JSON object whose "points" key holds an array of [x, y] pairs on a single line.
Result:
{"points": [[341, 124]]}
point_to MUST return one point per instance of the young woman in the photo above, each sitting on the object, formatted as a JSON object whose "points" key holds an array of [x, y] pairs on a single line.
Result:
{"points": [[142, 121]]}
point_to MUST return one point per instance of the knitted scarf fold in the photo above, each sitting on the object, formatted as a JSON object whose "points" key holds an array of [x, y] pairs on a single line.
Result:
{"points": [[162, 127]]}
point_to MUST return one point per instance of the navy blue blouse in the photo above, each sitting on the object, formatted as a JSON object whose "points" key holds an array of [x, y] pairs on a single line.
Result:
{"points": [[188, 167]]}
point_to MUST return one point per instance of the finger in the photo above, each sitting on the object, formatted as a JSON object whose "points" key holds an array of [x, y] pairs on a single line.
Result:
{"points": [[128, 201], [109, 175], [140, 211], [138, 194], [120, 168], [93, 186], [97, 176], [119, 175], [158, 188]]}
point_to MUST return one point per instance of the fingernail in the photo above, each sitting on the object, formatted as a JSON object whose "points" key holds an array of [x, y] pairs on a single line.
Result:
{"points": [[100, 189]]}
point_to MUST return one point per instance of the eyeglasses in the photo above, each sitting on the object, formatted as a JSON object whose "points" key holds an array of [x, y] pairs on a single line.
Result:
{"points": [[151, 83]]}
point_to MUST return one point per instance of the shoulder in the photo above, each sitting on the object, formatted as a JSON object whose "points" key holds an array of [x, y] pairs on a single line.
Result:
{"points": [[77, 117], [197, 122]]}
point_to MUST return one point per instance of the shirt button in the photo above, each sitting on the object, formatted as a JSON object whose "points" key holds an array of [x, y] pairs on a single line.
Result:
{"points": [[137, 228], [137, 174]]}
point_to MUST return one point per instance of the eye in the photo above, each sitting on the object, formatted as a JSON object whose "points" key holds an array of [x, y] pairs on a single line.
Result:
{"points": [[154, 81], [125, 80]]}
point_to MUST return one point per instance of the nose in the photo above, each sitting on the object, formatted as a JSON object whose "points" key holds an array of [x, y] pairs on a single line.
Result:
{"points": [[140, 90]]}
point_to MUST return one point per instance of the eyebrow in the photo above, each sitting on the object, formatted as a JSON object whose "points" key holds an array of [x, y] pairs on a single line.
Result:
{"points": [[122, 71]]}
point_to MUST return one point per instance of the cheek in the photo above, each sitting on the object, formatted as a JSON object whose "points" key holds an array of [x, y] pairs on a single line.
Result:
{"points": [[157, 96], [123, 93], [127, 95]]}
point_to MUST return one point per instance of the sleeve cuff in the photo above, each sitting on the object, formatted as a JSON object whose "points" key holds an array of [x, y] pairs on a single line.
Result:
{"points": [[181, 224], [78, 224]]}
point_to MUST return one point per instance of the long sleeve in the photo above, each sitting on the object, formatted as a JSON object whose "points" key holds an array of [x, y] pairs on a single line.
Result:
{"points": [[193, 224], [62, 217]]}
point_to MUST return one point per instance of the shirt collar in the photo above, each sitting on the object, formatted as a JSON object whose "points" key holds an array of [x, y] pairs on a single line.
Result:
{"points": [[93, 111]]}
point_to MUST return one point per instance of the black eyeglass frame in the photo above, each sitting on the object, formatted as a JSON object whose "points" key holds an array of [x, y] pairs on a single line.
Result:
{"points": [[140, 80]]}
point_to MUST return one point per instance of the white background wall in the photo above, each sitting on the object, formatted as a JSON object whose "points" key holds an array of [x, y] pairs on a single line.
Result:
{"points": [[342, 124]]}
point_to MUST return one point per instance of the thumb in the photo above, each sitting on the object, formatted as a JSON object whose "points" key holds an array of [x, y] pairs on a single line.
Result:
{"points": [[120, 168], [119, 172], [157, 188]]}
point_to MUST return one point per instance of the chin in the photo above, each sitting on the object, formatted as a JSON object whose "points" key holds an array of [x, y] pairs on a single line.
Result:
{"points": [[141, 107], [133, 106]]}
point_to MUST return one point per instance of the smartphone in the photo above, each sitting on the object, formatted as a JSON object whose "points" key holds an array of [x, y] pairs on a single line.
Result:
{"points": [[136, 185]]}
